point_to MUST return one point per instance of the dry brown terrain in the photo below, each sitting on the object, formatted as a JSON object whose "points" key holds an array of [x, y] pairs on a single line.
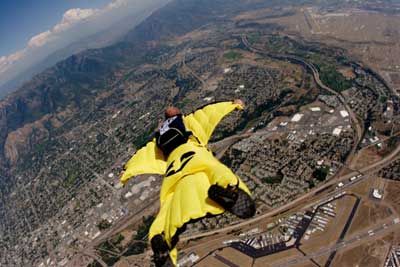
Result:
{"points": [[370, 254], [365, 157], [392, 194], [368, 214], [371, 37], [331, 234]]}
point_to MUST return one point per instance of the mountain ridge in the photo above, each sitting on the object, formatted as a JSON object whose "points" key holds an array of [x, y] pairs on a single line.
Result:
{"points": [[104, 38], [51, 89]]}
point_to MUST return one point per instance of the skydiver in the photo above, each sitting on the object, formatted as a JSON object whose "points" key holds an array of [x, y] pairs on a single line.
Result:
{"points": [[195, 183]]}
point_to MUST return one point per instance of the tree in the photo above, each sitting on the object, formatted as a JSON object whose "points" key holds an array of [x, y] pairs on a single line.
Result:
{"points": [[103, 225]]}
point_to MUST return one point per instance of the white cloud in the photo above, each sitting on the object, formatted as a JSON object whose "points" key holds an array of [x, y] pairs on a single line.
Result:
{"points": [[72, 17], [117, 4], [40, 39], [7, 61], [75, 24]]}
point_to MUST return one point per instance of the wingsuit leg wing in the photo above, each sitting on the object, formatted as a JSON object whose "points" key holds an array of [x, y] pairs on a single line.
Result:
{"points": [[189, 201], [185, 194]]}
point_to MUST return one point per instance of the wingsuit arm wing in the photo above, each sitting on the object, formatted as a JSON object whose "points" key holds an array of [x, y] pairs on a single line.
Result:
{"points": [[147, 160], [203, 121]]}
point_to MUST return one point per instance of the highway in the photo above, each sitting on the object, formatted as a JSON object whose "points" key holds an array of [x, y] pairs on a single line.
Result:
{"points": [[191, 72], [373, 168], [364, 236], [88, 253], [344, 231], [228, 141], [310, 66]]}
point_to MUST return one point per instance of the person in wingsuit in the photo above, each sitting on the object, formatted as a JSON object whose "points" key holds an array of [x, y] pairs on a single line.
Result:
{"points": [[195, 183]]}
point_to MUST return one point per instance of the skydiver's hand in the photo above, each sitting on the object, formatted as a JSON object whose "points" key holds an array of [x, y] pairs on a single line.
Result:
{"points": [[120, 176], [239, 102], [120, 185]]}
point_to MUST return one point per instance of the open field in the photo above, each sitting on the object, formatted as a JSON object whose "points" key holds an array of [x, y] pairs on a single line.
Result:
{"points": [[270, 260], [371, 37], [369, 213], [392, 194], [370, 254], [365, 157], [331, 234]]}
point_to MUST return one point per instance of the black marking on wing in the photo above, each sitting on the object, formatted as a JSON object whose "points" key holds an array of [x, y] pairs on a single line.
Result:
{"points": [[185, 158], [187, 155]]}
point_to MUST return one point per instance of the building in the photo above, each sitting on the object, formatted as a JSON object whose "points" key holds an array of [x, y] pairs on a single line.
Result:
{"points": [[344, 113], [377, 194], [297, 117]]}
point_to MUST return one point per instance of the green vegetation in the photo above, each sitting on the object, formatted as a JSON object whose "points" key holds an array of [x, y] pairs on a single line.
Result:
{"points": [[278, 44], [272, 180], [232, 55], [133, 103], [329, 75], [311, 184], [135, 248], [342, 60], [72, 176], [142, 139], [144, 228], [40, 148], [109, 251], [321, 173], [333, 79], [183, 103], [277, 179], [253, 37], [326, 65], [393, 142], [320, 57], [383, 99], [139, 242], [103, 225]]}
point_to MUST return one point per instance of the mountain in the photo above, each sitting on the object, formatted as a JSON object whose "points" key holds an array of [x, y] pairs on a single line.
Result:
{"points": [[84, 75], [104, 38]]}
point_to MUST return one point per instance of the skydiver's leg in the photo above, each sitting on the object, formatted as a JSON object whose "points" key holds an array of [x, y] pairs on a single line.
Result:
{"points": [[229, 191], [161, 251], [175, 238], [158, 244], [234, 200]]}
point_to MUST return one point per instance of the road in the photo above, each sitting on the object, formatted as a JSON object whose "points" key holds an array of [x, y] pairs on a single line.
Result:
{"points": [[373, 168], [344, 231], [228, 141], [191, 72], [88, 253], [364, 236], [369, 169], [382, 140], [356, 124]]}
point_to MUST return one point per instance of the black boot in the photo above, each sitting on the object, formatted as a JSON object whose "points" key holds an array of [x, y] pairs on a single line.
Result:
{"points": [[161, 252], [244, 206], [234, 200]]}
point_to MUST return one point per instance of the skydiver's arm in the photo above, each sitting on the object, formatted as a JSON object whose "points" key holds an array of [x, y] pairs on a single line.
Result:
{"points": [[203, 121], [147, 160]]}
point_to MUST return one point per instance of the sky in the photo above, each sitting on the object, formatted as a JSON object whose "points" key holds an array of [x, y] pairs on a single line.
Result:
{"points": [[20, 20], [30, 31]]}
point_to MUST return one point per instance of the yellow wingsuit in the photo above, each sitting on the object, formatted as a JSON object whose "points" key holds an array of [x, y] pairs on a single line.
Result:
{"points": [[189, 171]]}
